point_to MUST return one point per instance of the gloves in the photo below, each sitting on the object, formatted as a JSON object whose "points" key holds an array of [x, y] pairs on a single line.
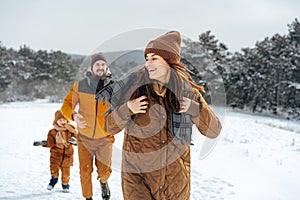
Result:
{"points": [[72, 140], [39, 143]]}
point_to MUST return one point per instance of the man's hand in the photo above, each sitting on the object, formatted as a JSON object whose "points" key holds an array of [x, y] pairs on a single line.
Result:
{"points": [[77, 118], [138, 105]]}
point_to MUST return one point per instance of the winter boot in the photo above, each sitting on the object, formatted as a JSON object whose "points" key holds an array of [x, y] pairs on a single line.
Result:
{"points": [[105, 191], [65, 188], [52, 183]]}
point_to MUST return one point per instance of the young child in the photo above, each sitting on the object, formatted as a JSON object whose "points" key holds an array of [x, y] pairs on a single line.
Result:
{"points": [[60, 140]]}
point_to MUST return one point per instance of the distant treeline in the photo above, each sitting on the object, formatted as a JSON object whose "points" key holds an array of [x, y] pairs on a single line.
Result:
{"points": [[264, 78], [27, 75]]}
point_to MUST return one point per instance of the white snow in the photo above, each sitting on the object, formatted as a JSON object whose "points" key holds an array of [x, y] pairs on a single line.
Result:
{"points": [[255, 157], [296, 85]]}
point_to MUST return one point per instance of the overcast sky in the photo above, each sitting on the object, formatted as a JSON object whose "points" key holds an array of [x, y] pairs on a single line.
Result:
{"points": [[79, 27]]}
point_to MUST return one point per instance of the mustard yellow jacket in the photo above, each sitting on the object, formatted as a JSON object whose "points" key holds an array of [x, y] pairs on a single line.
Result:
{"points": [[83, 93]]}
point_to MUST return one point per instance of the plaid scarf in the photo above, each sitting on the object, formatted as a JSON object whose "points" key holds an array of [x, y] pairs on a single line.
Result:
{"points": [[119, 92]]}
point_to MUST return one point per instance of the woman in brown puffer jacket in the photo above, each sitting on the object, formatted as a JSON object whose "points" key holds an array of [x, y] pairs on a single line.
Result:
{"points": [[61, 150], [157, 118]]}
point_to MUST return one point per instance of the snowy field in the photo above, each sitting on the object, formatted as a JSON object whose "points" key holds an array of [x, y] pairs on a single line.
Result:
{"points": [[256, 157]]}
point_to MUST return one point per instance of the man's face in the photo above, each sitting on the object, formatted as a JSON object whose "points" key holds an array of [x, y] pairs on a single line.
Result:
{"points": [[99, 68]]}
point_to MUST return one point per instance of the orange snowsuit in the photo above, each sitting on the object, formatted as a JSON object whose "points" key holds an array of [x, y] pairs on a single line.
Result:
{"points": [[61, 151]]}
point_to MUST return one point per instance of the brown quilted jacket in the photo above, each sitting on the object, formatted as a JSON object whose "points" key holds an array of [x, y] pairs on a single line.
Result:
{"points": [[154, 165]]}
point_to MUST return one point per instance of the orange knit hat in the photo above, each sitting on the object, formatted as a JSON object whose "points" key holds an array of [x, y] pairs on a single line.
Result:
{"points": [[167, 46]]}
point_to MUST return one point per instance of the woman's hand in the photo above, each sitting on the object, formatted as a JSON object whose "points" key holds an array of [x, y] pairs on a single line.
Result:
{"points": [[138, 105], [185, 104]]}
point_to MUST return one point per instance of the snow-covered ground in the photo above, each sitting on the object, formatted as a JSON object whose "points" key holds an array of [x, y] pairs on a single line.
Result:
{"points": [[256, 157]]}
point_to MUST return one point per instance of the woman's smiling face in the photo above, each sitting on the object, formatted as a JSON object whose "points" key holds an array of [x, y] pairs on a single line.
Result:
{"points": [[158, 69]]}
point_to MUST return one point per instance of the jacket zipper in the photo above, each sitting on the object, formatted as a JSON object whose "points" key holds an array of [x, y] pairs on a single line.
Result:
{"points": [[63, 157], [95, 120]]}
